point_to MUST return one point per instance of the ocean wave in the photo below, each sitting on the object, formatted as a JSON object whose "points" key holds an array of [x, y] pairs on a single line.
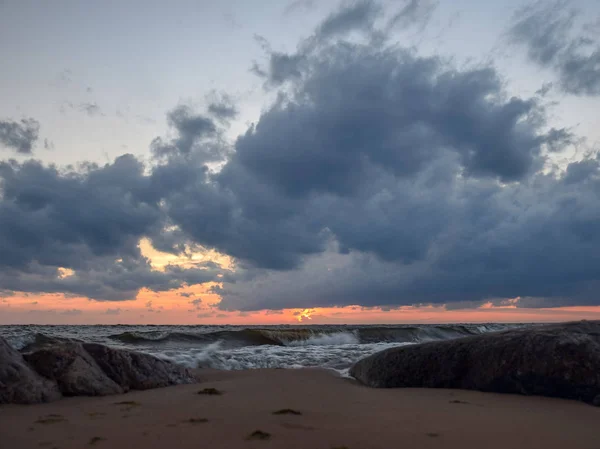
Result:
{"points": [[334, 347], [335, 338], [335, 357], [306, 336]]}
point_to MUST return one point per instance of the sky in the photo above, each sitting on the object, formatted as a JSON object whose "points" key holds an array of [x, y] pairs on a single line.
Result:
{"points": [[354, 161]]}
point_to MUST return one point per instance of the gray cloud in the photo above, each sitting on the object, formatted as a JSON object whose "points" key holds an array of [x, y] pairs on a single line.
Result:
{"points": [[299, 5], [48, 144], [186, 294], [191, 129], [113, 311], [72, 312], [91, 109], [89, 221], [19, 136], [384, 178], [196, 304], [222, 107], [351, 16], [544, 90], [548, 31], [378, 177], [415, 12]]}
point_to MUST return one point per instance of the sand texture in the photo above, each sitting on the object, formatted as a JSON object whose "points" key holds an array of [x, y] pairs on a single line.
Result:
{"points": [[308, 409]]}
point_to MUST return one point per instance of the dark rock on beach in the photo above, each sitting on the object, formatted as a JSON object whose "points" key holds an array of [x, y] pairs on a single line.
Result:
{"points": [[558, 360], [51, 366], [19, 384], [137, 371], [70, 366]]}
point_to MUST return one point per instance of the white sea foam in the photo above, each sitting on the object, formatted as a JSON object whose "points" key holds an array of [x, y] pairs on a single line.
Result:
{"points": [[332, 356], [232, 348], [338, 338]]}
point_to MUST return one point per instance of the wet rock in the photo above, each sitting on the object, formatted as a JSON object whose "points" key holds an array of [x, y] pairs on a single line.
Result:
{"points": [[19, 384], [137, 371], [70, 366], [559, 360]]}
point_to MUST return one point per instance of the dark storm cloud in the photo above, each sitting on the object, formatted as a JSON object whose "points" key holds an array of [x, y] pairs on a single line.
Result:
{"points": [[550, 33], [381, 177], [89, 221], [537, 239], [19, 136], [192, 130], [58, 218], [377, 177]]}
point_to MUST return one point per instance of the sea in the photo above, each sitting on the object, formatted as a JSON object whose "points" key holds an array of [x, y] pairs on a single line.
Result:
{"points": [[335, 347]]}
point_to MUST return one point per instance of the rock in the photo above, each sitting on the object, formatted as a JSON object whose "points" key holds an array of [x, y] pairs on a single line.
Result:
{"points": [[73, 369], [51, 366], [559, 360], [19, 384], [137, 371]]}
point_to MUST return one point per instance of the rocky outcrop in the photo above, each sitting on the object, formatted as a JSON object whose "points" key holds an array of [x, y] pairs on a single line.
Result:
{"points": [[560, 360], [19, 384], [70, 366], [137, 371], [51, 366]]}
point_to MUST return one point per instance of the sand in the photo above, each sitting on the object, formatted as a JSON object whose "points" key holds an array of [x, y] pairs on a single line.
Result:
{"points": [[323, 411]]}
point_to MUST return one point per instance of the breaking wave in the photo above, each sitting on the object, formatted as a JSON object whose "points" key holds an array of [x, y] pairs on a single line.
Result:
{"points": [[238, 348], [310, 337]]}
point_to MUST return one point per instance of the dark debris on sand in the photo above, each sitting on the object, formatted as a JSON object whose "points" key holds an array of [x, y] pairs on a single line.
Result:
{"points": [[196, 420], [50, 419], [210, 392], [259, 435], [287, 411], [96, 440]]}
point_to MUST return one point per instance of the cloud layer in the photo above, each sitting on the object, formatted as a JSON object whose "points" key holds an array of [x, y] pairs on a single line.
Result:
{"points": [[377, 177], [555, 38], [19, 136]]}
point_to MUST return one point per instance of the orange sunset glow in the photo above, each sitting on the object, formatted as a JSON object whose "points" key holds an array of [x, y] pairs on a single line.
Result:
{"points": [[199, 305], [172, 308]]}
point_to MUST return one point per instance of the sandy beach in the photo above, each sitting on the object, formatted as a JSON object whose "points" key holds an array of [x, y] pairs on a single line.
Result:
{"points": [[317, 410]]}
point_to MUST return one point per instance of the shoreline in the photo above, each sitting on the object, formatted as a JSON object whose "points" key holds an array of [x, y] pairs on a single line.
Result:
{"points": [[334, 412]]}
